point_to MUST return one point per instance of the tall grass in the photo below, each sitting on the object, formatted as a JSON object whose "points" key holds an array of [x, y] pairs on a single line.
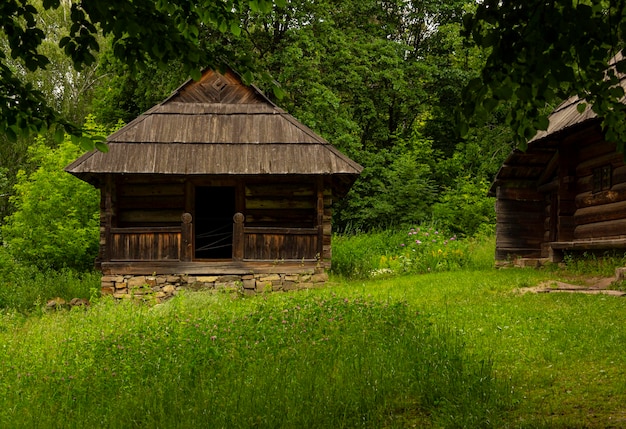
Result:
{"points": [[25, 288], [305, 360], [418, 250]]}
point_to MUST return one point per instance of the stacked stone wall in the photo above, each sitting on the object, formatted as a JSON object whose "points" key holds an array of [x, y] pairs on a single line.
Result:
{"points": [[162, 287]]}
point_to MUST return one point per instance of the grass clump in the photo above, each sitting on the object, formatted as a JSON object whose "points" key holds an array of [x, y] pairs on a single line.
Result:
{"points": [[305, 360]]}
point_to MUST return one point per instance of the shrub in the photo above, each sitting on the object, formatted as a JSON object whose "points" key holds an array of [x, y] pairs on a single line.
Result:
{"points": [[421, 249], [55, 222], [465, 208]]}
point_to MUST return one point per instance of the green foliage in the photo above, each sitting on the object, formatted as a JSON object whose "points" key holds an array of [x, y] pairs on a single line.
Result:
{"points": [[140, 33], [423, 249], [303, 360], [543, 52], [26, 288], [465, 208], [56, 218]]}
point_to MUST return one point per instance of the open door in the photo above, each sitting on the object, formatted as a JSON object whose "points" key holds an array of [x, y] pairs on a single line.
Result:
{"points": [[213, 222]]}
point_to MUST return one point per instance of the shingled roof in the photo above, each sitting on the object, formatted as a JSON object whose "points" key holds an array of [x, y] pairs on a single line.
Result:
{"points": [[216, 126]]}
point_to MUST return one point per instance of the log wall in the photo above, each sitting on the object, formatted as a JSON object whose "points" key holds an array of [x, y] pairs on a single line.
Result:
{"points": [[520, 223], [285, 219], [600, 215]]}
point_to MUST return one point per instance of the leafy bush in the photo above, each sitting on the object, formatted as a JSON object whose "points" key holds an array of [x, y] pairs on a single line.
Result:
{"points": [[55, 222], [465, 208], [24, 287]]}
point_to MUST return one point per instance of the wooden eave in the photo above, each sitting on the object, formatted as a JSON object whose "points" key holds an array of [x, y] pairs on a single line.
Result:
{"points": [[216, 126]]}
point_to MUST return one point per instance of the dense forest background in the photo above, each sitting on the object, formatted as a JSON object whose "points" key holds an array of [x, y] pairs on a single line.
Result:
{"points": [[381, 80]]}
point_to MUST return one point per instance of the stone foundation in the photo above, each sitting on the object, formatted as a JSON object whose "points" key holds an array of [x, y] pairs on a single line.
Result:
{"points": [[162, 287]]}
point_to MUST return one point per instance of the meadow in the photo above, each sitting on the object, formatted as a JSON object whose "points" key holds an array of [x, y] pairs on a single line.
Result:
{"points": [[441, 342]]}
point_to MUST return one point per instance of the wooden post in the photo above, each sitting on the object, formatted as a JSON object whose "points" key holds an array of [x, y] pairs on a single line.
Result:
{"points": [[320, 218], [238, 219], [186, 238], [105, 239]]}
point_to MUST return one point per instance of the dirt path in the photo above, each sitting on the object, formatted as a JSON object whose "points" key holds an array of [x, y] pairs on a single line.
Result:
{"points": [[593, 285]]}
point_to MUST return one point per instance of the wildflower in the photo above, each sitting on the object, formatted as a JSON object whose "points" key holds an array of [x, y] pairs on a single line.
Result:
{"points": [[418, 242], [213, 337], [436, 232], [402, 245]]}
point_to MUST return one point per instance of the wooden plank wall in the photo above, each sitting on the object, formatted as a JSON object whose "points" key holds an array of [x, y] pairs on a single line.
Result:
{"points": [[600, 215], [145, 244]]}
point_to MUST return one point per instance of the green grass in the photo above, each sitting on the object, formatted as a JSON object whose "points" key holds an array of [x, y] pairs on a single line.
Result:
{"points": [[451, 349]]}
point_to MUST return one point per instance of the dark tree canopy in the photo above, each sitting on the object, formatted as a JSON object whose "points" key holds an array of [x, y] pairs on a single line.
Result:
{"points": [[141, 32], [541, 52]]}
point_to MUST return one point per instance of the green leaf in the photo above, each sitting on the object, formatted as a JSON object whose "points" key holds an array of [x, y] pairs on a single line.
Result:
{"points": [[196, 74], [59, 135], [247, 77], [279, 93], [86, 143], [542, 123], [11, 134], [235, 28], [581, 107], [102, 147], [254, 5]]}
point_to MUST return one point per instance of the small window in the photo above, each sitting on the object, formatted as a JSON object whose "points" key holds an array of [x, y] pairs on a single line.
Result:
{"points": [[602, 178]]}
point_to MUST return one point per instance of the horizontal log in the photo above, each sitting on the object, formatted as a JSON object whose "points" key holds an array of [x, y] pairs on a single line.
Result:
{"points": [[281, 190], [146, 216], [149, 179], [139, 190], [519, 206], [586, 167], [517, 189], [594, 146], [152, 202], [508, 241], [266, 203], [284, 231], [619, 175], [521, 217], [147, 230], [589, 199], [504, 253], [207, 268], [601, 230], [617, 243]]}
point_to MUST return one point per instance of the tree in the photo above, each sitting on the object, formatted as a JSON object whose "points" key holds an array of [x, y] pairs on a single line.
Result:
{"points": [[542, 52], [141, 31]]}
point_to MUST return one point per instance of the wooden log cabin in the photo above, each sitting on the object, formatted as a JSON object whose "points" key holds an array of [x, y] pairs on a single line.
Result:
{"points": [[216, 186], [565, 193]]}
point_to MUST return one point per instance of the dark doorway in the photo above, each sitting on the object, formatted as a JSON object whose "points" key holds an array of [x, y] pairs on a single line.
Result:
{"points": [[213, 222]]}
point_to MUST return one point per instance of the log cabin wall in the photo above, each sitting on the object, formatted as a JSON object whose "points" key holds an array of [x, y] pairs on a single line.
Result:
{"points": [[286, 219], [601, 192], [520, 222]]}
